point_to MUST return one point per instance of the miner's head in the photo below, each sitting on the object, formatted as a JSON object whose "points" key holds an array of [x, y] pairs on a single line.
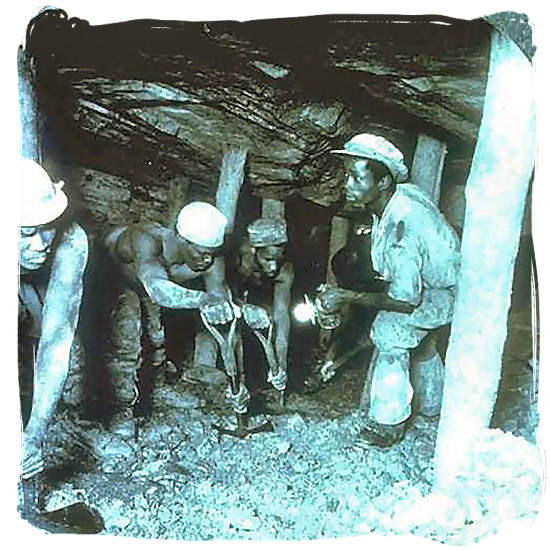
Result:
{"points": [[268, 241], [373, 166], [201, 227], [42, 203]]}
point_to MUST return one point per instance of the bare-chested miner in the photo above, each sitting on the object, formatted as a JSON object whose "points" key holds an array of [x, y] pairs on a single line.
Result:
{"points": [[156, 261]]}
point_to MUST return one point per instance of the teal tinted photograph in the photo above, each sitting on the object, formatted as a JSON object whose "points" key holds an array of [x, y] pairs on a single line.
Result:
{"points": [[277, 278]]}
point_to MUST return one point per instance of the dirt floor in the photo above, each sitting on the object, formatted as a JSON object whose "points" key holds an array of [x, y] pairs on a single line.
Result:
{"points": [[307, 478]]}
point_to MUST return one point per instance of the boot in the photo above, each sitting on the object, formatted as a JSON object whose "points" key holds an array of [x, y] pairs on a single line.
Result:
{"points": [[76, 518], [382, 435]]}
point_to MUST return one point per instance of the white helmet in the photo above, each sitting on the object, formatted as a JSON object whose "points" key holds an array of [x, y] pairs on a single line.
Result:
{"points": [[377, 148], [202, 224], [41, 200]]}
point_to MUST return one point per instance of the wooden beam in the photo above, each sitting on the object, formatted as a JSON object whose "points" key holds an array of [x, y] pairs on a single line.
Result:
{"points": [[427, 165], [338, 240], [496, 189], [28, 107], [272, 208], [230, 182]]}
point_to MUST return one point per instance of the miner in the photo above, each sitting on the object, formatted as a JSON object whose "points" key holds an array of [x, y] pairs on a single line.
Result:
{"points": [[52, 257], [265, 277], [157, 262], [416, 253]]}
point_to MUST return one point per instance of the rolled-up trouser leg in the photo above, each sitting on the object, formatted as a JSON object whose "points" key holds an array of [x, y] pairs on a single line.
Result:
{"points": [[391, 391], [387, 394]]}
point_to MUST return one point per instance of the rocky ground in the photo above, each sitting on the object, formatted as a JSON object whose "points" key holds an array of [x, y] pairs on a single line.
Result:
{"points": [[308, 478]]}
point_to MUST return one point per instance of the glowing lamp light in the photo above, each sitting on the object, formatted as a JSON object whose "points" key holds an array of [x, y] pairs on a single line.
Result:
{"points": [[305, 311]]}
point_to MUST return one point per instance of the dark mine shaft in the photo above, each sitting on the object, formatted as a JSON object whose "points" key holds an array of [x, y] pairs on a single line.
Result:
{"points": [[205, 162]]}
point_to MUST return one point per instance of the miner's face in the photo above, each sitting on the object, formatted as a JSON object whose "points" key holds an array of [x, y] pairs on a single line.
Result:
{"points": [[34, 245], [270, 259], [362, 177], [199, 258]]}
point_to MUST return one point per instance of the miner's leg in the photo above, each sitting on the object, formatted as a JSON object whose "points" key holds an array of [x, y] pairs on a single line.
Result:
{"points": [[427, 374], [387, 394], [153, 354], [126, 352], [206, 351]]}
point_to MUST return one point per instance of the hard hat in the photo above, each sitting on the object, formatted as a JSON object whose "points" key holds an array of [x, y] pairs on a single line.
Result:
{"points": [[267, 232], [202, 224], [41, 200], [377, 148]]}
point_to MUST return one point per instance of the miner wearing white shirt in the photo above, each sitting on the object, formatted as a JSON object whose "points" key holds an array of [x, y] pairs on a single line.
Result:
{"points": [[416, 252]]}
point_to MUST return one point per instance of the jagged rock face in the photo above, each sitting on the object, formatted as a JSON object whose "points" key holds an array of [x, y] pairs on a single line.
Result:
{"points": [[156, 102]]}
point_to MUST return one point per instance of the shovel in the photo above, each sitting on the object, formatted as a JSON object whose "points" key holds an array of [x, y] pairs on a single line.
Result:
{"points": [[235, 375], [259, 323]]}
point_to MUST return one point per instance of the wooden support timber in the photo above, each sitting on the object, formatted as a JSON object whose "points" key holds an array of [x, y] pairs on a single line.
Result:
{"points": [[427, 165], [28, 106], [495, 198], [273, 208], [230, 183], [152, 101], [227, 196], [338, 239]]}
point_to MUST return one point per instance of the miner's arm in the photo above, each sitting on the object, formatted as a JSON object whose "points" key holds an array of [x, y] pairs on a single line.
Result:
{"points": [[379, 300], [404, 283], [281, 315], [333, 299], [59, 320], [154, 277], [214, 279]]}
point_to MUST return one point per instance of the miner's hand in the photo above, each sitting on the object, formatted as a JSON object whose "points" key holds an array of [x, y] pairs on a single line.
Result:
{"points": [[255, 317], [279, 379], [332, 299], [216, 310]]}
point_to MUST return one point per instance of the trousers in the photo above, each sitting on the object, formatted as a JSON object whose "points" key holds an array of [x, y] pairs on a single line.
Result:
{"points": [[388, 392]]}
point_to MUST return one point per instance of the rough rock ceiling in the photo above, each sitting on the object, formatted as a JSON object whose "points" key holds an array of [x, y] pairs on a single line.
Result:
{"points": [[151, 101]]}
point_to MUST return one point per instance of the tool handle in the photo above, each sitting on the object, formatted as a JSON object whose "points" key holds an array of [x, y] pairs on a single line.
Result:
{"points": [[226, 344]]}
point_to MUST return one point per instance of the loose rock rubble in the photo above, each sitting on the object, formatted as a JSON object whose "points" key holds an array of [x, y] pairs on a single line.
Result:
{"points": [[306, 479], [309, 478]]}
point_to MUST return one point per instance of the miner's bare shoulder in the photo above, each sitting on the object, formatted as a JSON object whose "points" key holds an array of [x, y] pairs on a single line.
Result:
{"points": [[145, 241]]}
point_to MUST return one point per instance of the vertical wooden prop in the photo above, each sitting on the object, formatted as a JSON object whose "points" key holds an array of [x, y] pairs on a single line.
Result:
{"points": [[227, 196], [272, 208], [28, 106], [230, 183], [426, 171], [495, 198], [427, 165], [338, 239]]}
